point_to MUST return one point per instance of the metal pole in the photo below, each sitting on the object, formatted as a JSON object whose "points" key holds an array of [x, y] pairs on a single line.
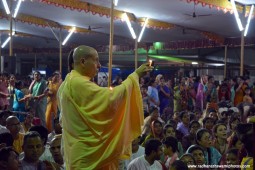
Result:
{"points": [[53, 31], [242, 46], [147, 54], [225, 66], [0, 44], [60, 50], [111, 44], [10, 18], [242, 54], [1, 67], [136, 53], [35, 62]]}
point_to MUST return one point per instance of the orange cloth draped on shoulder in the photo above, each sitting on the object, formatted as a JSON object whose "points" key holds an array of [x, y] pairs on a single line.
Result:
{"points": [[239, 95], [52, 106], [99, 123]]}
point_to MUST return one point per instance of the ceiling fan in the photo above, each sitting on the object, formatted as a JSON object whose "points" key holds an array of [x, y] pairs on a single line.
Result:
{"points": [[90, 28], [195, 15], [93, 28], [188, 31]]}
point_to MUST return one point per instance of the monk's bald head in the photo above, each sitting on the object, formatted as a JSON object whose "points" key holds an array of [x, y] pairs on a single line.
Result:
{"points": [[86, 61], [13, 125], [11, 119], [83, 52]]}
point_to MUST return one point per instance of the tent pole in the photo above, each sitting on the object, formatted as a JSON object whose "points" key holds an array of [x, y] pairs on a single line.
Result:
{"points": [[0, 44], [10, 18], [225, 66], [60, 50], [242, 54], [242, 45], [136, 53], [35, 62], [110, 45]]}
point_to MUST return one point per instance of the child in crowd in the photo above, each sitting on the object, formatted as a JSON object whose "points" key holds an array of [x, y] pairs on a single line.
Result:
{"points": [[232, 158], [247, 98]]}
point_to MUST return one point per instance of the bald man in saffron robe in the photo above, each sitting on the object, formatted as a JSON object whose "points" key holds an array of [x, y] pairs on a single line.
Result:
{"points": [[98, 123]]}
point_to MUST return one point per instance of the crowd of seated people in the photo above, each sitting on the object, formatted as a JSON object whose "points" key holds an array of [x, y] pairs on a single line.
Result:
{"points": [[186, 123], [202, 124]]}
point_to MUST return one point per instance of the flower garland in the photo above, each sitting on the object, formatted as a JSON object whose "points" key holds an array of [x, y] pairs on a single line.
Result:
{"points": [[155, 24], [214, 37], [41, 22], [223, 5], [86, 7], [104, 11]]}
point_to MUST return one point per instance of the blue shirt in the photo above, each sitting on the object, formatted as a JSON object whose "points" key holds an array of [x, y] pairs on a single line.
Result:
{"points": [[153, 93], [215, 156], [183, 129], [18, 106]]}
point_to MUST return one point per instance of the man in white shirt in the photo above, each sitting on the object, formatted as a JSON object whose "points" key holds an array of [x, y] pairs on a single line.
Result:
{"points": [[154, 115], [137, 151], [55, 149], [149, 161], [3, 129], [3, 116]]}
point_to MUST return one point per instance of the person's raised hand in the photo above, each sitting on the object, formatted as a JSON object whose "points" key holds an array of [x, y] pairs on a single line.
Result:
{"points": [[143, 69]]}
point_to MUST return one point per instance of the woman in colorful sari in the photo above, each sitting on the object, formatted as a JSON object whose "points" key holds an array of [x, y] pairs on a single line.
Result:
{"points": [[156, 132], [11, 90], [177, 98], [4, 102], [184, 94], [164, 95], [191, 94], [200, 97], [52, 108], [180, 96], [239, 91], [38, 92]]}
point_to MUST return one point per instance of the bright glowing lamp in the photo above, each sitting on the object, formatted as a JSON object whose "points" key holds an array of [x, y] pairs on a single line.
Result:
{"points": [[68, 36], [238, 21], [6, 41], [248, 21], [141, 33], [17, 9], [13, 32], [116, 2], [129, 26], [194, 63], [7, 10]]}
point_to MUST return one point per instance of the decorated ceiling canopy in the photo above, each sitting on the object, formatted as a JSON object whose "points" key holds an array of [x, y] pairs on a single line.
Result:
{"points": [[223, 5], [170, 26]]}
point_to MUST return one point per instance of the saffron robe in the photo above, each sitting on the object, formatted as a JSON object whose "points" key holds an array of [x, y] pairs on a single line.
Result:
{"points": [[99, 123]]}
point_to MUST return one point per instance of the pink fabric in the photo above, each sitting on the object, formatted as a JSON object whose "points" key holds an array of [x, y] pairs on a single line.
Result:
{"points": [[3, 88], [31, 86], [200, 103], [173, 158], [36, 121]]}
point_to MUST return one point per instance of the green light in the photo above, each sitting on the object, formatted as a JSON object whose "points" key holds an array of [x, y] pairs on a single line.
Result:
{"points": [[158, 45], [169, 58], [141, 51]]}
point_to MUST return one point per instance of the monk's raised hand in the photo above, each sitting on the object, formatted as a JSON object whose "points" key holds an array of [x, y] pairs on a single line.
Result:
{"points": [[143, 69]]}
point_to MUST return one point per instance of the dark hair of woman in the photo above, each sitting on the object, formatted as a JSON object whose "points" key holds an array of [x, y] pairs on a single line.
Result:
{"points": [[70, 61]]}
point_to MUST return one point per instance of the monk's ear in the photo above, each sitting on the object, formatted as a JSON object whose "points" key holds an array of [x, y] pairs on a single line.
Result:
{"points": [[83, 61]]}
